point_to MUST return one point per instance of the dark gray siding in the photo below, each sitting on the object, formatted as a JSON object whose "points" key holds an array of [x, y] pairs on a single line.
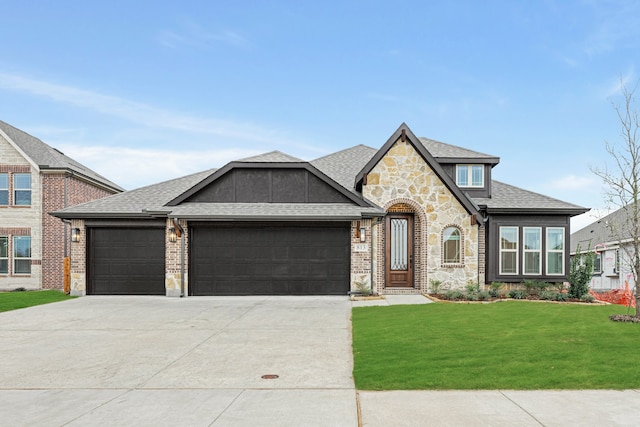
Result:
{"points": [[450, 169], [257, 185], [493, 248]]}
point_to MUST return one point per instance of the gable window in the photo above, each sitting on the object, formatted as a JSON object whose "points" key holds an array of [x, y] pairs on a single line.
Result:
{"points": [[532, 250], [22, 189], [555, 250], [22, 255], [508, 250], [4, 255], [470, 175], [4, 189], [451, 245]]}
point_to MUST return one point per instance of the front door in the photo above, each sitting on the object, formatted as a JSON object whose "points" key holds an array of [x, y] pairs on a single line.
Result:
{"points": [[399, 251]]}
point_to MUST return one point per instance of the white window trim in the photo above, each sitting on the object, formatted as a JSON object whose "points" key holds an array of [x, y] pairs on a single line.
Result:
{"points": [[501, 250], [16, 189], [469, 169], [525, 251], [17, 258], [596, 256], [561, 251], [5, 188], [7, 257], [460, 248]]}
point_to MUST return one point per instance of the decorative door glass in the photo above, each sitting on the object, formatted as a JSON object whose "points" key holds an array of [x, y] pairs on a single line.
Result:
{"points": [[399, 236]]}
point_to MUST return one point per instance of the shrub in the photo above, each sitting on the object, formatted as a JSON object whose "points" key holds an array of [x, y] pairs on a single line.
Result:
{"points": [[561, 296], [580, 273], [495, 289], [517, 294], [548, 295], [472, 287], [588, 298], [534, 287], [435, 285], [484, 295], [453, 294]]}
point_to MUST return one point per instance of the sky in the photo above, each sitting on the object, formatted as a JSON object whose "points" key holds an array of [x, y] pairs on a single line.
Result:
{"points": [[147, 91]]}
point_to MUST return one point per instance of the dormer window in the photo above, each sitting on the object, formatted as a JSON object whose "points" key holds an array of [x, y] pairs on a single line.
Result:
{"points": [[470, 176]]}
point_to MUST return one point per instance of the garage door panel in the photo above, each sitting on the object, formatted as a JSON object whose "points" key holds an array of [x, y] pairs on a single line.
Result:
{"points": [[126, 261], [269, 259]]}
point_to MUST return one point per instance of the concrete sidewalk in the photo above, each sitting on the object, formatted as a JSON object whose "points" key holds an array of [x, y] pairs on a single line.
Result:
{"points": [[551, 408]]}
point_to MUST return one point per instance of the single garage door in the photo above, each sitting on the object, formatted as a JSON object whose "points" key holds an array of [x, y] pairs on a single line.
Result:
{"points": [[126, 261], [269, 259]]}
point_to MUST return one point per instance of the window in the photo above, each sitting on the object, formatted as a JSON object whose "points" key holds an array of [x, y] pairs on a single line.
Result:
{"points": [[532, 250], [555, 250], [4, 255], [22, 189], [4, 189], [22, 255], [451, 245], [508, 250], [470, 175], [597, 263]]}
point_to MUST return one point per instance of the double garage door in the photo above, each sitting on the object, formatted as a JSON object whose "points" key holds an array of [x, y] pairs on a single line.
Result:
{"points": [[269, 259], [225, 259]]}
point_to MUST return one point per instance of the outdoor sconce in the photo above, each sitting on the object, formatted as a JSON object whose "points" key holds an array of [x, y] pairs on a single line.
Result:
{"points": [[75, 235], [173, 237], [363, 234]]}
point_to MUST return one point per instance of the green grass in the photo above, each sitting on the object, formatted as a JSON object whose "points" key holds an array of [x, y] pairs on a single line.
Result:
{"points": [[507, 345], [15, 300]]}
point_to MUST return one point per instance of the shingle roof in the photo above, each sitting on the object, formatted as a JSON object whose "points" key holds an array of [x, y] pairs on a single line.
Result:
{"points": [[610, 229], [135, 203], [271, 157], [273, 211], [505, 197], [344, 165], [47, 157], [440, 150]]}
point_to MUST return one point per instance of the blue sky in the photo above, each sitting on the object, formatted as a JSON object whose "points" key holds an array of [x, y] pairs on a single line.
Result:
{"points": [[148, 91]]}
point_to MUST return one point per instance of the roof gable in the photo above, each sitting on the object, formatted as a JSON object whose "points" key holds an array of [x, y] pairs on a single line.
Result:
{"points": [[44, 157], [447, 153], [268, 182], [405, 134]]}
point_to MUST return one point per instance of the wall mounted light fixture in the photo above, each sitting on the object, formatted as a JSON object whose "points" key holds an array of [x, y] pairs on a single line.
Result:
{"points": [[173, 237], [363, 234], [75, 235]]}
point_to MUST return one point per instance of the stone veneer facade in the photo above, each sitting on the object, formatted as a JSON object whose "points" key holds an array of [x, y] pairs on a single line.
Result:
{"points": [[403, 182]]}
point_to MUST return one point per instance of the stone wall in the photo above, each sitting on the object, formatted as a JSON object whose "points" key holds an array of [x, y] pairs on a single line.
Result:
{"points": [[403, 180]]}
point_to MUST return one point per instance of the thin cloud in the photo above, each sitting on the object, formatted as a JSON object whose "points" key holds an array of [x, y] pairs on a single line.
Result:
{"points": [[139, 167], [614, 87], [572, 183], [616, 27], [194, 35], [150, 116]]}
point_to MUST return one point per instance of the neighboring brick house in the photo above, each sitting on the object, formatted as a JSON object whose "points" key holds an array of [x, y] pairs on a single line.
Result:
{"points": [[396, 218], [36, 179]]}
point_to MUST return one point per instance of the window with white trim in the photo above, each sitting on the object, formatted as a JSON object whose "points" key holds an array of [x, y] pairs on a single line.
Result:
{"points": [[597, 263], [21, 255], [470, 176], [451, 245], [508, 250], [555, 250], [532, 247], [4, 189], [4, 255], [22, 189]]}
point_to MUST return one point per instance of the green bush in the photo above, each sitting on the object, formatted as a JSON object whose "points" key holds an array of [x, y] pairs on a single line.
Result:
{"points": [[548, 295], [453, 295], [435, 285], [534, 287], [517, 294], [561, 296], [495, 289], [484, 295], [580, 273]]}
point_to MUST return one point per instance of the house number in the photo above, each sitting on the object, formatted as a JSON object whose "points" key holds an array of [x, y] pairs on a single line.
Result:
{"points": [[361, 247]]}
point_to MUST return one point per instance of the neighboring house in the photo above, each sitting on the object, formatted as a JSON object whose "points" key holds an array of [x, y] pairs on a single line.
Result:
{"points": [[396, 218], [36, 179], [610, 239]]}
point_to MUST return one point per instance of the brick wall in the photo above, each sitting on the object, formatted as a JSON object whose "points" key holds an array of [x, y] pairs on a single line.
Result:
{"points": [[55, 233], [174, 260], [361, 254]]}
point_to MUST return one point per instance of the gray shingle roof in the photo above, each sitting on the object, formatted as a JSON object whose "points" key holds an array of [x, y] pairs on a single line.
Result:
{"points": [[134, 203], [610, 229], [273, 211], [440, 150], [344, 165], [47, 157], [505, 197], [271, 157]]}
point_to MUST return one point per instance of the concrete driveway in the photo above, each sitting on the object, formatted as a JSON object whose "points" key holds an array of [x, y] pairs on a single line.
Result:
{"points": [[158, 361]]}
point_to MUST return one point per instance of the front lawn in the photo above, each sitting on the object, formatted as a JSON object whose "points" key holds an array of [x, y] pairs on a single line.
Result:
{"points": [[16, 300], [507, 345]]}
